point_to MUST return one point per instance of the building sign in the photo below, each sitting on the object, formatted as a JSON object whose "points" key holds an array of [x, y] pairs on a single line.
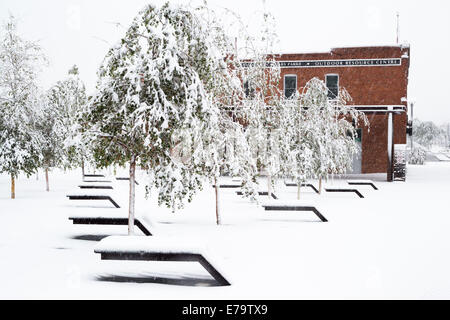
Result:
{"points": [[332, 63]]}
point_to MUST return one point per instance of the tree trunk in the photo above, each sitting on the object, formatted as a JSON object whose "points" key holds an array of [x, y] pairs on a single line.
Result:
{"points": [[82, 169], [37, 175], [269, 185], [299, 185], [320, 185], [216, 182], [132, 196], [46, 179], [13, 187]]}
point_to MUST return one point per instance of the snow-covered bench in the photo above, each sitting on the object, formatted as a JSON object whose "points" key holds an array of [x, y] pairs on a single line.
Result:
{"points": [[229, 185], [362, 182], [97, 181], [92, 197], [293, 184], [261, 193], [157, 249], [293, 206], [89, 194], [344, 189], [126, 178], [94, 175], [94, 186], [98, 219]]}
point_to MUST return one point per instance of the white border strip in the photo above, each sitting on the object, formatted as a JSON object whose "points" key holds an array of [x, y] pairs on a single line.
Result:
{"points": [[385, 62], [382, 62]]}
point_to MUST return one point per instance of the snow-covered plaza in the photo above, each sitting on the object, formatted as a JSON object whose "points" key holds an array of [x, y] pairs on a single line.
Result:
{"points": [[393, 244]]}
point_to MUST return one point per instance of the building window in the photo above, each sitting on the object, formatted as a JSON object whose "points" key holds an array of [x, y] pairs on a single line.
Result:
{"points": [[332, 81], [249, 89], [290, 85]]}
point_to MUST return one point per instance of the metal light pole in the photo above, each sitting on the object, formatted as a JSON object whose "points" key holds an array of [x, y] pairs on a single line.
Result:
{"points": [[411, 104]]}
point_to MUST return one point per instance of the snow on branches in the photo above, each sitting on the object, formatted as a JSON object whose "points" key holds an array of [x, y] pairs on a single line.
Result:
{"points": [[20, 63], [161, 101]]}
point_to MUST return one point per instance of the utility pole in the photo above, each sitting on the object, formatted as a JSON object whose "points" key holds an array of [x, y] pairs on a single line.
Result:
{"points": [[398, 25]]}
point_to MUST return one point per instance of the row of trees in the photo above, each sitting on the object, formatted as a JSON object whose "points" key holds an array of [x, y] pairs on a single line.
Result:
{"points": [[428, 134], [35, 126], [171, 100]]}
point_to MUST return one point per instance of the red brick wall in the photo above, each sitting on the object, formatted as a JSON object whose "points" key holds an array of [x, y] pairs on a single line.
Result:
{"points": [[367, 85]]}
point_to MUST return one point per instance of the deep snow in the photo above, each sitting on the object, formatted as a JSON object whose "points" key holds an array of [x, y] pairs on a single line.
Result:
{"points": [[393, 244]]}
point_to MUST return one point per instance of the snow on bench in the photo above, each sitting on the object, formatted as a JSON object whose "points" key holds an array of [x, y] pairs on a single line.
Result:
{"points": [[261, 193], [293, 184], [89, 194], [362, 182], [297, 205], [343, 189], [229, 185], [143, 223], [96, 181], [158, 249], [126, 179], [94, 186], [94, 175]]}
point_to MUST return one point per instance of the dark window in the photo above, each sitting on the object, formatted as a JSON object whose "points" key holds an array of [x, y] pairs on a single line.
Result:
{"points": [[248, 89], [332, 85], [358, 137], [290, 86]]}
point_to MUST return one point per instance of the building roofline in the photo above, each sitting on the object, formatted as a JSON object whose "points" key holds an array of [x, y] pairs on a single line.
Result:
{"points": [[330, 51]]}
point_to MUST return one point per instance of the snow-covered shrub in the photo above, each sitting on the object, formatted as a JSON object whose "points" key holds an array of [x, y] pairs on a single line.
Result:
{"points": [[417, 156]]}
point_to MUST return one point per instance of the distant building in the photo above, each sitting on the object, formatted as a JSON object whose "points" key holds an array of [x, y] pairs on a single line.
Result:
{"points": [[377, 80]]}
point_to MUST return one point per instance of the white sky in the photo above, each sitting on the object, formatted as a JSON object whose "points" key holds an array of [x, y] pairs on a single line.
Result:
{"points": [[78, 32]]}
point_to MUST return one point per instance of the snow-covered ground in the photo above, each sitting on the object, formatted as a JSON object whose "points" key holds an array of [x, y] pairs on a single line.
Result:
{"points": [[394, 243]]}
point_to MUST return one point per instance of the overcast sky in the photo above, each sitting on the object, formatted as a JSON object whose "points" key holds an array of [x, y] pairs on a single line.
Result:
{"points": [[81, 31]]}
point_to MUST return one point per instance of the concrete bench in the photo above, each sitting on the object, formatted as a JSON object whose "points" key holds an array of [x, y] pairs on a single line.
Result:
{"points": [[344, 189], [94, 175], [127, 179], [293, 206], [156, 249], [112, 220], [261, 193], [228, 185], [98, 181], [92, 197], [362, 183], [293, 184], [94, 187]]}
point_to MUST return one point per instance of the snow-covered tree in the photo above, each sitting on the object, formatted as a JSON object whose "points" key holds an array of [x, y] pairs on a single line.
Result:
{"points": [[427, 133], [224, 149], [20, 63], [66, 101], [261, 109], [50, 147], [303, 136], [329, 129], [153, 106]]}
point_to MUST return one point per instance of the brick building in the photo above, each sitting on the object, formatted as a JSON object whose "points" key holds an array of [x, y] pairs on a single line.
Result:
{"points": [[377, 80]]}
